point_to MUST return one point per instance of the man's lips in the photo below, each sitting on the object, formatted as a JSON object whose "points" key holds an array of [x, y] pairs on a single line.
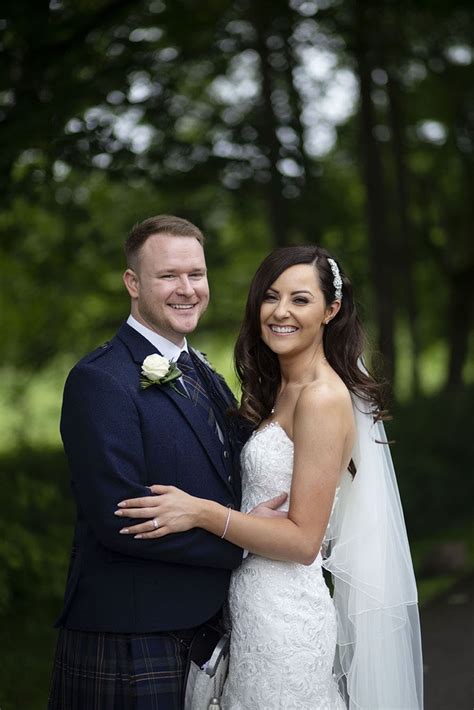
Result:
{"points": [[182, 306]]}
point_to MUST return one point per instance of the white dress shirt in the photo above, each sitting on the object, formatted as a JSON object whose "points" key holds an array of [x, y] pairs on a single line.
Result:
{"points": [[169, 350]]}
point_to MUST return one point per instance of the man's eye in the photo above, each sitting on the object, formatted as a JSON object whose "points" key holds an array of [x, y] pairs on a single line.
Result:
{"points": [[197, 275]]}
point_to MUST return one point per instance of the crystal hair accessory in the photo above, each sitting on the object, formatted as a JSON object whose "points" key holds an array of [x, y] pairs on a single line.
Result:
{"points": [[337, 282]]}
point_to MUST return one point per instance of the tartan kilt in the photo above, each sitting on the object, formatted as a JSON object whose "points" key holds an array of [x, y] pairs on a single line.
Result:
{"points": [[105, 671]]}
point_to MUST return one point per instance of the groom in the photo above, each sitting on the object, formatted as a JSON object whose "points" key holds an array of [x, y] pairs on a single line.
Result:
{"points": [[131, 606]]}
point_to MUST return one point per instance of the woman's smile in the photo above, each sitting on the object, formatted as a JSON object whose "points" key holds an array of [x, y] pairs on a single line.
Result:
{"points": [[283, 329]]}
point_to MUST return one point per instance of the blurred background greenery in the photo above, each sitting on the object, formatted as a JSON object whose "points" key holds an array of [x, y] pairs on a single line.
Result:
{"points": [[344, 122]]}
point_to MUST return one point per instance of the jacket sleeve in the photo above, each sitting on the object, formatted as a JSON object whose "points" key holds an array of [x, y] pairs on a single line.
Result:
{"points": [[100, 428]]}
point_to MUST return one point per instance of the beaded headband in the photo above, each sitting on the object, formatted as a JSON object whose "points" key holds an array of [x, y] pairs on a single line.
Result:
{"points": [[337, 282]]}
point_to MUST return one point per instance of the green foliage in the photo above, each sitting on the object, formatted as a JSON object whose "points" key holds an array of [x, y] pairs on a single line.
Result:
{"points": [[35, 527], [433, 451], [29, 638], [35, 539], [137, 113]]}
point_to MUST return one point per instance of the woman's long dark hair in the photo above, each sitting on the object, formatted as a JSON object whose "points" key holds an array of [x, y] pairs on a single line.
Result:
{"points": [[343, 338]]}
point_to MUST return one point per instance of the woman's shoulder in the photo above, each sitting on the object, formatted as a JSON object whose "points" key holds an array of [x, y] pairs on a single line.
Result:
{"points": [[324, 395]]}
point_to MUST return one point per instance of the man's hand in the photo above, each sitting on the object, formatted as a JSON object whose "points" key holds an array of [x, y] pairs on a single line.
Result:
{"points": [[268, 509]]}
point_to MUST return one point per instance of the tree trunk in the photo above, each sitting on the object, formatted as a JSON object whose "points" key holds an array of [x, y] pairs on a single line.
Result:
{"points": [[380, 248], [310, 182], [461, 276], [268, 132], [460, 317], [404, 254]]}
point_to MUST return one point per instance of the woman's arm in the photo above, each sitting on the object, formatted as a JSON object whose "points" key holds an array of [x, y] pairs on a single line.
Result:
{"points": [[322, 422]]}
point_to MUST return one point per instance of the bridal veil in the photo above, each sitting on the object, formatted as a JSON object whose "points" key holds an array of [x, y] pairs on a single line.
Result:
{"points": [[378, 656]]}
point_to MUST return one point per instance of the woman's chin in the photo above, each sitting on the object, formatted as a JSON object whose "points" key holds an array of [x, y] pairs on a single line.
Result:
{"points": [[282, 347]]}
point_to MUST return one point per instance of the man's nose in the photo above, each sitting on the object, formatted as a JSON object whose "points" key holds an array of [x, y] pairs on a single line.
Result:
{"points": [[185, 287]]}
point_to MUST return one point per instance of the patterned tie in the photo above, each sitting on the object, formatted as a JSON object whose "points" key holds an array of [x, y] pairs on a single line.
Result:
{"points": [[195, 389]]}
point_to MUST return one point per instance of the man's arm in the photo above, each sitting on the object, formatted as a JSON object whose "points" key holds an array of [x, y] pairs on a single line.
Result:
{"points": [[102, 438]]}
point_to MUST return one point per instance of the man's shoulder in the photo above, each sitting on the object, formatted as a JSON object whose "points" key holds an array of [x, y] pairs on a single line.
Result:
{"points": [[202, 357], [102, 353], [205, 365], [107, 368], [106, 357]]}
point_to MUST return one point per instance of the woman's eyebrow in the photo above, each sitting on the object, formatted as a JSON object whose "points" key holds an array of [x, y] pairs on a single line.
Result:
{"points": [[293, 293]]}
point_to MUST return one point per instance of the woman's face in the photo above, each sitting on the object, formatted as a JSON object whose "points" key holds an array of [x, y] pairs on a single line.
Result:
{"points": [[293, 311]]}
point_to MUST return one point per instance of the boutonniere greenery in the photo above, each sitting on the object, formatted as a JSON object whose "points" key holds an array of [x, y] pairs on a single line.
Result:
{"points": [[158, 370]]}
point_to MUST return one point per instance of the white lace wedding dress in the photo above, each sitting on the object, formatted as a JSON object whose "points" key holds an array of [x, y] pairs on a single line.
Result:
{"points": [[283, 618]]}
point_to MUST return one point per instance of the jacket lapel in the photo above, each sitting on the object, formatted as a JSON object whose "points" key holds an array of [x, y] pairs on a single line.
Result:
{"points": [[208, 438], [140, 348], [220, 401]]}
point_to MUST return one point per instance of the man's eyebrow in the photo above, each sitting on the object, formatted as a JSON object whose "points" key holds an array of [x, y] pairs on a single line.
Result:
{"points": [[174, 271]]}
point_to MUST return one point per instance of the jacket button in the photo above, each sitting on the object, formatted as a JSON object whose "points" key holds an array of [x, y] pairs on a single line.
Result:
{"points": [[226, 454], [229, 478]]}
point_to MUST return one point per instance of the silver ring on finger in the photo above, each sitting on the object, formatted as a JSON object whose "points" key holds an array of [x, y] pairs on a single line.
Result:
{"points": [[155, 523]]}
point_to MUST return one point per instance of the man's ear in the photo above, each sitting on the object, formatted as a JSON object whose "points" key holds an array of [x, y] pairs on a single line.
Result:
{"points": [[130, 280]]}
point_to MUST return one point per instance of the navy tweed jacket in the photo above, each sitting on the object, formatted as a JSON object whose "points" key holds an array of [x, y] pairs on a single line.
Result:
{"points": [[118, 440]]}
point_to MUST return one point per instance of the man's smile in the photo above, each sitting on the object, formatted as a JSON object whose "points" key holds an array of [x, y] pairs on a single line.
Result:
{"points": [[182, 306]]}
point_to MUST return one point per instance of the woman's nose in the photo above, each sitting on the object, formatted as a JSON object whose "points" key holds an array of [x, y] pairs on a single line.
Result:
{"points": [[281, 310]]}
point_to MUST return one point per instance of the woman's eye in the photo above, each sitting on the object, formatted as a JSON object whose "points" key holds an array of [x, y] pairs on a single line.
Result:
{"points": [[301, 300], [269, 297]]}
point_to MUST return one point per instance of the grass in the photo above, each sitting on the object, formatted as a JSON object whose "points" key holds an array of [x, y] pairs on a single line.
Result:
{"points": [[431, 587]]}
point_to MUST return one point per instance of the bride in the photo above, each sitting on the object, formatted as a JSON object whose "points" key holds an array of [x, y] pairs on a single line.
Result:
{"points": [[318, 436]]}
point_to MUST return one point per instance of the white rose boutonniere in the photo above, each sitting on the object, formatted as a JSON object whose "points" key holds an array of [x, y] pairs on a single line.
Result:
{"points": [[158, 370]]}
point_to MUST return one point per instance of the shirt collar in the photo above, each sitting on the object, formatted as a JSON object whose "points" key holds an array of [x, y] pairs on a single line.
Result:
{"points": [[168, 349]]}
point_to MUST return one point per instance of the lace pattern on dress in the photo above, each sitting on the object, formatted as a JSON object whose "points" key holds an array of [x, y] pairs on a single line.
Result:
{"points": [[283, 619]]}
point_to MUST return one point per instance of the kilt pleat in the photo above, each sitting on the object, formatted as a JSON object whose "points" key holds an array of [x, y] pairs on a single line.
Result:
{"points": [[103, 671]]}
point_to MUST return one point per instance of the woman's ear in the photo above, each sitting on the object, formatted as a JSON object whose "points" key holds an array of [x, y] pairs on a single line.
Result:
{"points": [[331, 312]]}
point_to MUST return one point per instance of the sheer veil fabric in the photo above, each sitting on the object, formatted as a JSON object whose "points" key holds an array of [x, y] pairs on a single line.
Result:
{"points": [[378, 660]]}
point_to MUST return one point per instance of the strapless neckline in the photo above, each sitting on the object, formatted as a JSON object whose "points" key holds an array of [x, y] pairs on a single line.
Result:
{"points": [[270, 426]]}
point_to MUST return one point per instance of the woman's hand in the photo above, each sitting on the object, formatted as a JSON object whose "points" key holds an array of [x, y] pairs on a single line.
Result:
{"points": [[269, 508], [171, 510]]}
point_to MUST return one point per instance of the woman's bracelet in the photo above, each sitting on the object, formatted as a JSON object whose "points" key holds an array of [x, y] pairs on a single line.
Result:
{"points": [[226, 524]]}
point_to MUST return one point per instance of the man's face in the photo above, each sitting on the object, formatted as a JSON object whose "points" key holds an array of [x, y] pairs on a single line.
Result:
{"points": [[168, 287]]}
